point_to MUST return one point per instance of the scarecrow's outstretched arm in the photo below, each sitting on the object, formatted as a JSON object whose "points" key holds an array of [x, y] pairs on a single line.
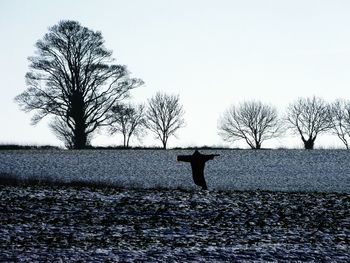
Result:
{"points": [[211, 156]]}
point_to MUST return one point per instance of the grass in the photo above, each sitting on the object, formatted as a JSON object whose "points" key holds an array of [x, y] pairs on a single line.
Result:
{"points": [[110, 147], [7, 179], [27, 147], [120, 147]]}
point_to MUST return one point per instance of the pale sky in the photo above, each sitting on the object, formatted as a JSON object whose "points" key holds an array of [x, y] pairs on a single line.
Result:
{"points": [[212, 53]]}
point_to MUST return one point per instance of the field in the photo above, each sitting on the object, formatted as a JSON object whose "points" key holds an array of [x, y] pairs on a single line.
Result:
{"points": [[278, 205], [272, 170]]}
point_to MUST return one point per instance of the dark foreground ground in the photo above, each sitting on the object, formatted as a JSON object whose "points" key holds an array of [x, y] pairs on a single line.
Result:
{"points": [[60, 224]]}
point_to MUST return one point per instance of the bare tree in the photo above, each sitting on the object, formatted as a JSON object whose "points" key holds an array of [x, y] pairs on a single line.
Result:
{"points": [[128, 120], [164, 116], [72, 77], [309, 117], [340, 120], [251, 121]]}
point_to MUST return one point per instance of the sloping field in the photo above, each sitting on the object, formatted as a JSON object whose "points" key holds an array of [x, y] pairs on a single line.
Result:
{"points": [[273, 170]]}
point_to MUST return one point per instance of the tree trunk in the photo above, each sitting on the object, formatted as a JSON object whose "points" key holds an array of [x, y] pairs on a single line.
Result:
{"points": [[125, 144], [164, 144], [127, 141], [309, 144], [77, 113], [80, 138]]}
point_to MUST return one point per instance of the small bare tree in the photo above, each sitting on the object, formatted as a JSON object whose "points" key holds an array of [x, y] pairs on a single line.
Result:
{"points": [[309, 117], [251, 121], [164, 116], [340, 120], [128, 120]]}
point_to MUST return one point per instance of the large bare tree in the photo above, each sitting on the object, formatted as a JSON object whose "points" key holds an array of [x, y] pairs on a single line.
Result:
{"points": [[164, 116], [251, 121], [309, 117], [72, 77], [340, 120], [128, 120]]}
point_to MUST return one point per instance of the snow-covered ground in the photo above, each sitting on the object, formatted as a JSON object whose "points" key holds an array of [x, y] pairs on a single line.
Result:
{"points": [[275, 170]]}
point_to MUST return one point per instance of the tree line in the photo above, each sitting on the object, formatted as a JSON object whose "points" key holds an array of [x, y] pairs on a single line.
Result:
{"points": [[256, 122], [74, 79], [251, 121]]}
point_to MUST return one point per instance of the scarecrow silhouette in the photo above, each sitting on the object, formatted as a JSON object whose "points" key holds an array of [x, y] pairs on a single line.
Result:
{"points": [[197, 161]]}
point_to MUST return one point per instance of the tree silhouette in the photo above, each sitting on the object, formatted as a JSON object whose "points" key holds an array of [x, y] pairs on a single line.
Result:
{"points": [[309, 117], [72, 77], [340, 120], [128, 120], [164, 116], [251, 121]]}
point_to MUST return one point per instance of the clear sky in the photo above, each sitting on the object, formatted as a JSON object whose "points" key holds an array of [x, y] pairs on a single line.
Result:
{"points": [[212, 53]]}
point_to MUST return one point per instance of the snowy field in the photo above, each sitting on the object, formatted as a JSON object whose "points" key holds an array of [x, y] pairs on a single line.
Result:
{"points": [[274, 170]]}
